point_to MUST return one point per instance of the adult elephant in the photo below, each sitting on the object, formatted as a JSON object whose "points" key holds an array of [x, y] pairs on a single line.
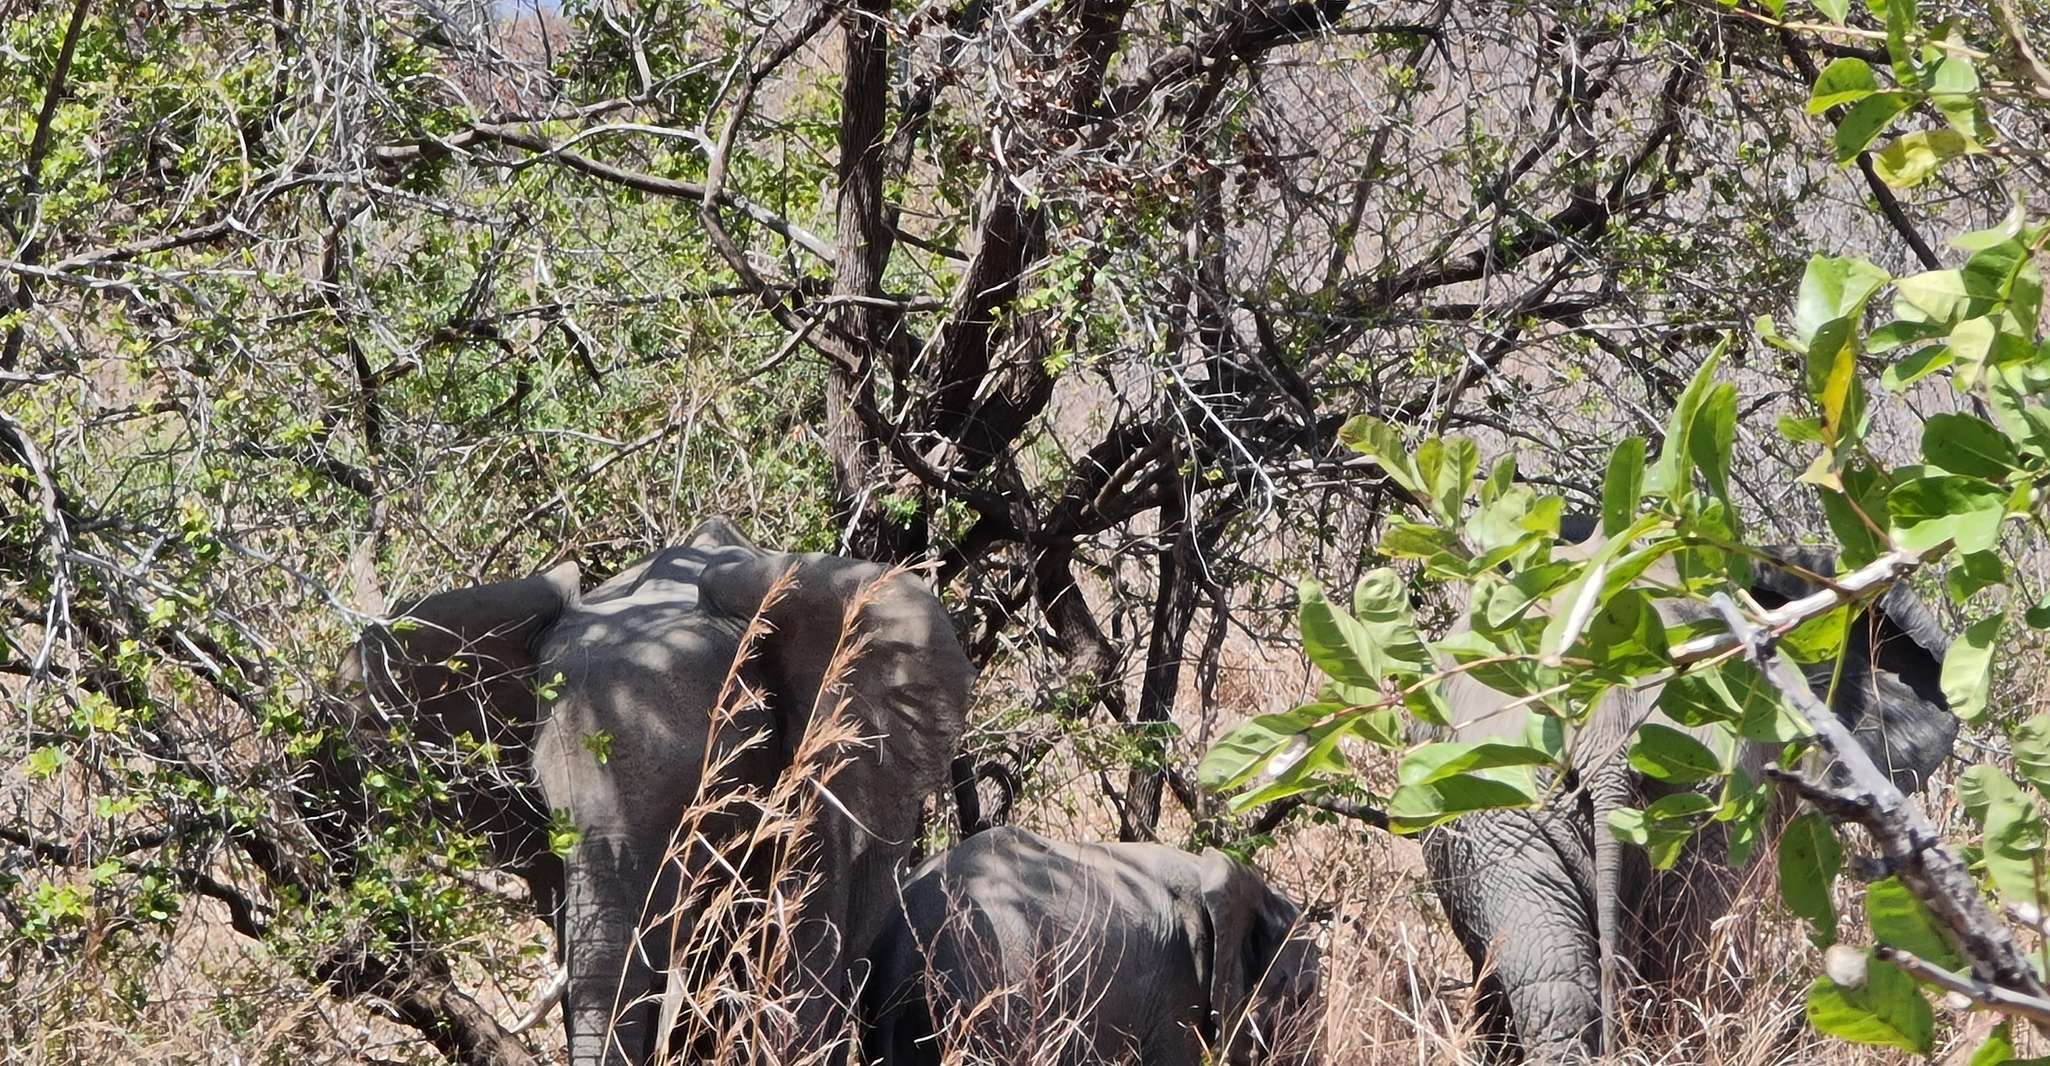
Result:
{"points": [[1013, 946], [614, 695], [1548, 895]]}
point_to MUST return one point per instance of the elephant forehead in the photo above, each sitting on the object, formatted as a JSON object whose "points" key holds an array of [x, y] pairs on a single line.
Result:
{"points": [[1478, 712], [670, 634]]}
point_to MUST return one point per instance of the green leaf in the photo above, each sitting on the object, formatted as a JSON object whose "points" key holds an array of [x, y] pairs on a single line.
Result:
{"points": [[1887, 1010], [1921, 364], [1819, 639], [1843, 81], [1443, 759], [1625, 637], [44, 762], [1809, 860], [1361, 650], [1852, 512], [1998, 1050], [1978, 570], [1381, 442], [1745, 805], [1671, 474], [1243, 752], [1833, 10], [1833, 288], [1866, 120], [1715, 430], [1668, 754], [1953, 88], [1899, 920], [1447, 468], [2032, 752], [1967, 675], [2013, 830], [1896, 334], [1912, 157], [1926, 511], [1417, 807], [1964, 444], [1937, 294], [1623, 486]]}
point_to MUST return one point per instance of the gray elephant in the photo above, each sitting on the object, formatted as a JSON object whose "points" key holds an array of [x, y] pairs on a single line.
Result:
{"points": [[1546, 895], [1015, 948], [613, 694]]}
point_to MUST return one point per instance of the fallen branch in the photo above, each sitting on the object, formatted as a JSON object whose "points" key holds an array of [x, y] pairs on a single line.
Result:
{"points": [[1866, 796]]}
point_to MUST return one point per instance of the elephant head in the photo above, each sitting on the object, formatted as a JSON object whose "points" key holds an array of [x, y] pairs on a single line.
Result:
{"points": [[1262, 968], [454, 673], [711, 653], [1564, 911], [1010, 943]]}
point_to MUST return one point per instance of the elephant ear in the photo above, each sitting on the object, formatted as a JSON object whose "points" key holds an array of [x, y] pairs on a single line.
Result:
{"points": [[461, 661], [1890, 692], [1247, 924]]}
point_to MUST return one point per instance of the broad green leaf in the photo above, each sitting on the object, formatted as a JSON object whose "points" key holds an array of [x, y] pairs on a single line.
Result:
{"points": [[1972, 343], [1910, 158], [2032, 752], [2013, 830], [1361, 650], [1978, 570], [1915, 367], [1938, 295], [1443, 759], [1899, 920], [1843, 81], [1998, 1050], [1834, 10], [1866, 120], [1831, 373], [1819, 639], [1555, 635], [1833, 288], [1896, 334], [1381, 442], [1953, 88], [1924, 512], [1745, 805], [1443, 554], [1968, 667], [1663, 828], [1500, 478], [1623, 486], [1625, 637], [1447, 468], [1671, 474], [1854, 512], [1964, 444], [1887, 1010], [1809, 860], [1414, 808], [1668, 754], [1244, 751], [1715, 430]]}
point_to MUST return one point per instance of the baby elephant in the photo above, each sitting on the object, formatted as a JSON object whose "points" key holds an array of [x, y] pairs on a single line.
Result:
{"points": [[1020, 949]]}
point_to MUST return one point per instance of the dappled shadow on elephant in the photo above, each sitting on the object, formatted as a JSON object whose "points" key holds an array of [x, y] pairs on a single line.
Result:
{"points": [[671, 722], [1017, 949], [1535, 896]]}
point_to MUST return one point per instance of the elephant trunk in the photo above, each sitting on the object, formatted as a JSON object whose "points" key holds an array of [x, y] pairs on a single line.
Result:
{"points": [[1608, 791], [606, 1012]]}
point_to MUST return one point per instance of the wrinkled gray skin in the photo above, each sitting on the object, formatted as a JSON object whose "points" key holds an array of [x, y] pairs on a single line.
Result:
{"points": [[643, 658], [1153, 950], [1541, 893]]}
